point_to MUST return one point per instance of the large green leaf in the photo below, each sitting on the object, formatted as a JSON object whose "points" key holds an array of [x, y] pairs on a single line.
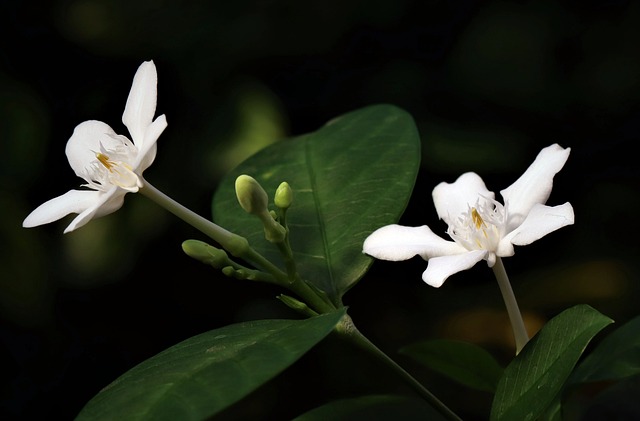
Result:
{"points": [[536, 375], [373, 408], [616, 357], [463, 362], [203, 375], [352, 176]]}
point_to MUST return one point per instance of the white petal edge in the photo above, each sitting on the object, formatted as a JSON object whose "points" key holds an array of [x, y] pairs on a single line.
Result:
{"points": [[398, 242], [73, 201], [535, 184], [440, 268], [452, 200], [105, 204], [147, 153], [141, 103], [541, 221]]}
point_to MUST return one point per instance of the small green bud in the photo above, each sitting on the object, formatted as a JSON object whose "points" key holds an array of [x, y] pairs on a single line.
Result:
{"points": [[284, 196], [273, 231], [297, 305], [237, 245], [205, 253], [251, 195], [228, 271]]}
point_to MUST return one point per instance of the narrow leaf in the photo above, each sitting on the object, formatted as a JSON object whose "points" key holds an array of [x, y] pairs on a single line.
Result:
{"points": [[463, 362], [616, 357], [203, 375], [373, 408], [350, 177], [536, 375]]}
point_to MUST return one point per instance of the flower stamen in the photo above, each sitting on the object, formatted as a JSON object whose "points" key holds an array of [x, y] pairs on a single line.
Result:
{"points": [[477, 219], [104, 160]]}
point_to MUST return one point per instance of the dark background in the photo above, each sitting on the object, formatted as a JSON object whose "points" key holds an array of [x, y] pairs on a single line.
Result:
{"points": [[489, 84]]}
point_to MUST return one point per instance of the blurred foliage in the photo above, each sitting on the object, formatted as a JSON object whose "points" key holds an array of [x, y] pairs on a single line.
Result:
{"points": [[488, 82]]}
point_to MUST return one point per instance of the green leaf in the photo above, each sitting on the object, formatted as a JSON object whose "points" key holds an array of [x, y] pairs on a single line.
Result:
{"points": [[554, 411], [373, 408], [616, 357], [536, 375], [352, 176], [463, 362], [203, 375]]}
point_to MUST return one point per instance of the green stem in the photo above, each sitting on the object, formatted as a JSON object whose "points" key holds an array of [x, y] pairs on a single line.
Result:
{"points": [[315, 301], [236, 245], [348, 330], [517, 324], [233, 243]]}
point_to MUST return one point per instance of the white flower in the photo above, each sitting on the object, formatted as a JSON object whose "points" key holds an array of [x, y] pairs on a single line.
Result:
{"points": [[480, 227], [111, 164]]}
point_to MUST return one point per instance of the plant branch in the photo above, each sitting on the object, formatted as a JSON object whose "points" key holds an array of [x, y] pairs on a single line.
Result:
{"points": [[347, 329]]}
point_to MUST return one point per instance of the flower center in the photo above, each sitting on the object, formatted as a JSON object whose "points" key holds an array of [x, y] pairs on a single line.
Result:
{"points": [[475, 216], [481, 227], [111, 168]]}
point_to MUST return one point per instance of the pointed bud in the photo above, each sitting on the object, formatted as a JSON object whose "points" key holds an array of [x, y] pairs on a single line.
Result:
{"points": [[297, 305], [284, 196], [205, 253], [251, 195]]}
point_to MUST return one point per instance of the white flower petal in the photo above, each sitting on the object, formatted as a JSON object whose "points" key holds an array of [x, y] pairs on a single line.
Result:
{"points": [[452, 200], [104, 204], [73, 201], [440, 268], [505, 248], [85, 142], [541, 221], [147, 153], [141, 103], [397, 242], [534, 186]]}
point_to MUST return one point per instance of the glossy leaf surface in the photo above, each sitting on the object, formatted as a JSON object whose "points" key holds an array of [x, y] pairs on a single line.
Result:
{"points": [[203, 375], [616, 357], [373, 408], [536, 375], [350, 177]]}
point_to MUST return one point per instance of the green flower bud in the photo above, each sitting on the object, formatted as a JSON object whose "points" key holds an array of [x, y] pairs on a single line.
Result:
{"points": [[205, 253], [284, 196], [228, 271], [297, 305], [251, 195], [273, 231]]}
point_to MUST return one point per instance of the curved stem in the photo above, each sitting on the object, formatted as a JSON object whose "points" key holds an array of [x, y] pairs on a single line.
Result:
{"points": [[348, 330], [236, 245], [216, 232], [233, 243], [517, 324]]}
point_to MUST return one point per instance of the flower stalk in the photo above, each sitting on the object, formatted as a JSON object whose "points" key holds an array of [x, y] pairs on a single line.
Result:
{"points": [[515, 317], [238, 247]]}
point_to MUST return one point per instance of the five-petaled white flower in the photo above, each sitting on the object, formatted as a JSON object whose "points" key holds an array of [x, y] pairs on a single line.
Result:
{"points": [[481, 228], [111, 164]]}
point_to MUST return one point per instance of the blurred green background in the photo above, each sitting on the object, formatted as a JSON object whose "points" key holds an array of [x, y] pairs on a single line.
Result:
{"points": [[489, 83]]}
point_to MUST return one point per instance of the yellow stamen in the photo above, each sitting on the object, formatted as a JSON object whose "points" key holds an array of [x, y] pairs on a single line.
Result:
{"points": [[477, 219], [104, 160]]}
